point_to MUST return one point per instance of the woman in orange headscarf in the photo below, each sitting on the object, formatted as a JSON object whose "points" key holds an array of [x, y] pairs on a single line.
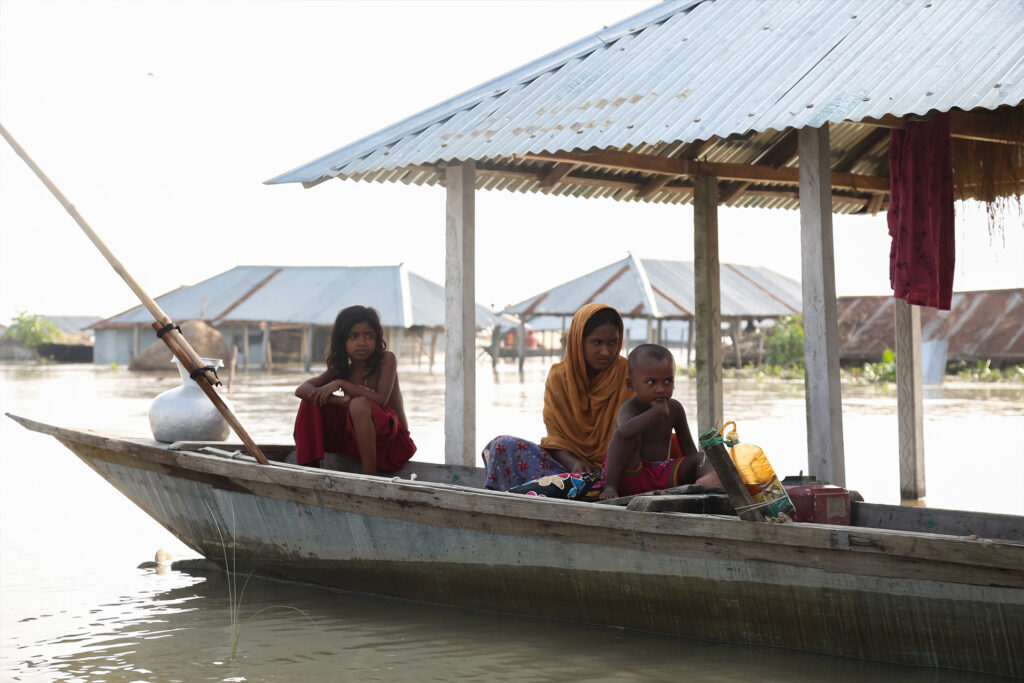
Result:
{"points": [[581, 400]]}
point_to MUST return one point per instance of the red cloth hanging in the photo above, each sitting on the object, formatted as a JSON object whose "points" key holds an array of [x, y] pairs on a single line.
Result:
{"points": [[920, 213]]}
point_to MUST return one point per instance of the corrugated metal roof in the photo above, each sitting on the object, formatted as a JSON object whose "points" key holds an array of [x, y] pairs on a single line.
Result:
{"points": [[736, 72], [642, 288], [978, 325], [72, 324], [304, 295]]}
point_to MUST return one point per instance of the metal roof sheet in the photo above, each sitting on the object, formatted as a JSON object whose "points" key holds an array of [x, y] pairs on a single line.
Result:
{"points": [[686, 70], [979, 325], [73, 324], [656, 288], [310, 295]]}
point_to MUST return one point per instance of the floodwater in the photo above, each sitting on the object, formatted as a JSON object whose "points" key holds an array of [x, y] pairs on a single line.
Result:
{"points": [[75, 607]]}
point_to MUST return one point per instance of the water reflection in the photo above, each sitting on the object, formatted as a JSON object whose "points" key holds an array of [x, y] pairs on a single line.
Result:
{"points": [[182, 632]]}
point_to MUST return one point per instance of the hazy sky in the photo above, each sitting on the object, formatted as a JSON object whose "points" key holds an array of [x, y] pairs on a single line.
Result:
{"points": [[161, 120]]}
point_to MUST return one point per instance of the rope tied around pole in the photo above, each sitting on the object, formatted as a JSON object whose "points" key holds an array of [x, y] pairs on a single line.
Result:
{"points": [[712, 438], [167, 328], [202, 371]]}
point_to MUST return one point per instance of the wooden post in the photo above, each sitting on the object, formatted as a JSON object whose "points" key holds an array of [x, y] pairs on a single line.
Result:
{"points": [[730, 479], [136, 341], [689, 341], [265, 362], [735, 331], [460, 318], [399, 340], [909, 400], [433, 349], [760, 348], [683, 352], [820, 321], [304, 345], [231, 362], [521, 345], [245, 347], [707, 303], [309, 334]]}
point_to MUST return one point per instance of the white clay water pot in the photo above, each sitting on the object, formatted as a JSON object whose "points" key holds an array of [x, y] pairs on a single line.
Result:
{"points": [[185, 413]]}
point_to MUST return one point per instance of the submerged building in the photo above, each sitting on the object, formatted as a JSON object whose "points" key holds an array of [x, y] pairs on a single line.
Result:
{"points": [[286, 312]]}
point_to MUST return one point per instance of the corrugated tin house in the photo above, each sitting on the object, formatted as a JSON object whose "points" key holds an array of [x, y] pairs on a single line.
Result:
{"points": [[780, 104], [663, 290], [657, 299], [979, 326], [267, 309]]}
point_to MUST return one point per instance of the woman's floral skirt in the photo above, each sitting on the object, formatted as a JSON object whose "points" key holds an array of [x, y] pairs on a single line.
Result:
{"points": [[511, 461]]}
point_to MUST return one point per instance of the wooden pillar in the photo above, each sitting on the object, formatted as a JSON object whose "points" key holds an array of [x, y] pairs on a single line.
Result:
{"points": [[399, 340], [136, 341], [521, 345], [460, 318], [304, 345], [433, 349], [910, 404], [707, 303], [683, 352], [689, 342], [309, 336], [561, 341], [245, 347], [268, 357], [821, 328], [735, 331]]}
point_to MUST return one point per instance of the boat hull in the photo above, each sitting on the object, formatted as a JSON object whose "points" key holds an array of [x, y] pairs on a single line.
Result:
{"points": [[899, 597]]}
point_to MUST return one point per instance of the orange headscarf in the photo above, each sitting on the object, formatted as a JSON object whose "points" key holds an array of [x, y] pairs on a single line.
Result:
{"points": [[580, 413]]}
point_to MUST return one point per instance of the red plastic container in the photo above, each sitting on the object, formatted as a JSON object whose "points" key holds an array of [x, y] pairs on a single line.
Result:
{"points": [[817, 501]]}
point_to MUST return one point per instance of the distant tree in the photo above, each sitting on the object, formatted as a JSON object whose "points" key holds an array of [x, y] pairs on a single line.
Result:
{"points": [[785, 346], [31, 330]]}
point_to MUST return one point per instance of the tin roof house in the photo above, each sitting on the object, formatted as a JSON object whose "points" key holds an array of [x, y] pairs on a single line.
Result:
{"points": [[287, 311]]}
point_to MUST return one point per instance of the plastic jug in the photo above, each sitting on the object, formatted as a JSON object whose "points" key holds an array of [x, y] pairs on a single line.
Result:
{"points": [[758, 475]]}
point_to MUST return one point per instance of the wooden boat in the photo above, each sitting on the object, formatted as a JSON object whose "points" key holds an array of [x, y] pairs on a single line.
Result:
{"points": [[909, 586]]}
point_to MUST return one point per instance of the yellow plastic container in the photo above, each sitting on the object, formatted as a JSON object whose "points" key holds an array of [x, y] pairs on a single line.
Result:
{"points": [[758, 475]]}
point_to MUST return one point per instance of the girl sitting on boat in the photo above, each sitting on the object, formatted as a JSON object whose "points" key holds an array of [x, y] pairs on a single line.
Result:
{"points": [[582, 396], [367, 421]]}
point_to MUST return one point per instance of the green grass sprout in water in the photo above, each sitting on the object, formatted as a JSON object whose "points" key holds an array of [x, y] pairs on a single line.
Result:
{"points": [[234, 595]]}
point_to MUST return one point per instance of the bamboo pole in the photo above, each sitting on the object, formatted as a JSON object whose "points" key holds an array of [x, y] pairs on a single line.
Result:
{"points": [[177, 343]]}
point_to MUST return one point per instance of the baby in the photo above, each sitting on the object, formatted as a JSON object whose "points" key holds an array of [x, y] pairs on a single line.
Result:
{"points": [[639, 457]]}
